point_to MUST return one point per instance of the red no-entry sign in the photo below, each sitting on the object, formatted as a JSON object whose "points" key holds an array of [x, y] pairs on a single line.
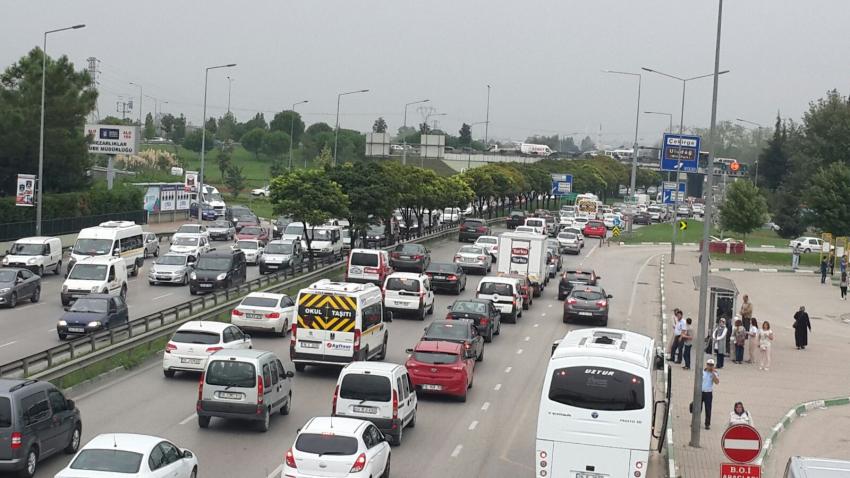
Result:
{"points": [[741, 443]]}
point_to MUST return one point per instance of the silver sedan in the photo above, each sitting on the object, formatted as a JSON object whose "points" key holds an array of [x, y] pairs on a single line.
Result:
{"points": [[475, 258]]}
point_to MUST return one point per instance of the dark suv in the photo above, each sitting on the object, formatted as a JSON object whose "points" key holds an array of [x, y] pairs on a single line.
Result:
{"points": [[516, 218], [36, 421], [471, 229], [218, 269]]}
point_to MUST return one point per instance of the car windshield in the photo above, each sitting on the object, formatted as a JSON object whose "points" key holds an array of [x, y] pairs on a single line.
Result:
{"points": [[20, 249], [597, 388], [294, 229], [278, 249], [171, 260], [216, 197], [93, 247], [196, 337], [376, 230], [186, 241], [470, 250], [573, 230], [108, 460], [88, 272], [364, 259], [7, 275], [269, 302], [85, 304], [321, 235], [247, 244], [590, 295], [231, 373], [435, 357], [220, 225], [213, 263], [446, 331], [251, 231], [326, 444], [399, 283], [189, 229], [469, 307], [595, 224], [487, 240], [374, 388], [442, 267], [495, 288]]}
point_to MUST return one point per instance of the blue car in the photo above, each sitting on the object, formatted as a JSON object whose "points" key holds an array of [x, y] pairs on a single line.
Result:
{"points": [[207, 212], [91, 313]]}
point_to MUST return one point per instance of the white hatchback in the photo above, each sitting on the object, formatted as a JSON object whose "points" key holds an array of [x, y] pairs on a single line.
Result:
{"points": [[252, 248], [490, 243], [407, 292], [265, 312], [193, 343], [338, 447], [129, 454]]}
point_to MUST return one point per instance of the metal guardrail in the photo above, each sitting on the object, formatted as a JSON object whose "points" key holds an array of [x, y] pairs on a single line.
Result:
{"points": [[78, 353]]}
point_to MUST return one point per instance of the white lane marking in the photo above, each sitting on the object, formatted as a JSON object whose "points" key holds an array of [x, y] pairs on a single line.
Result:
{"points": [[473, 425], [485, 406], [635, 285], [550, 306], [537, 325], [497, 387], [527, 338], [10, 343], [189, 419], [519, 351], [456, 451], [508, 370], [588, 255], [277, 472], [163, 296]]}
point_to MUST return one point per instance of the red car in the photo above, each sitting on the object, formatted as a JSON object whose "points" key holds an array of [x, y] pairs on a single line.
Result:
{"points": [[442, 368], [595, 229], [254, 232]]}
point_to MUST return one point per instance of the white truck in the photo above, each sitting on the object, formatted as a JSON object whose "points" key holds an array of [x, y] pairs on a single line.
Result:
{"points": [[524, 253], [535, 149]]}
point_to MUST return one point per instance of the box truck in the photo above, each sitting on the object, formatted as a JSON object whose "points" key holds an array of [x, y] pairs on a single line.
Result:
{"points": [[524, 253]]}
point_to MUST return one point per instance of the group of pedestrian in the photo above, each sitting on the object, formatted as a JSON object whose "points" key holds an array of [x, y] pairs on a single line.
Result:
{"points": [[680, 347]]}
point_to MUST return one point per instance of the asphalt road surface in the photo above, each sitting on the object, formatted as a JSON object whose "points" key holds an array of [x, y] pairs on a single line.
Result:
{"points": [[491, 435]]}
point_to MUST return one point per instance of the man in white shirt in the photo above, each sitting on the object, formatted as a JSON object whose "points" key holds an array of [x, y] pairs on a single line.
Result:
{"points": [[678, 343]]}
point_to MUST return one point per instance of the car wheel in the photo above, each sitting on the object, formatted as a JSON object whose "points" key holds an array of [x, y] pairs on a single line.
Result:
{"points": [[526, 305], [135, 270], [480, 356], [431, 309], [421, 313], [124, 292], [168, 373], [150, 282], [489, 337], [807, 251], [386, 473], [41, 271], [203, 422], [30, 465], [63, 336], [36, 295], [284, 329], [498, 329], [194, 473], [74, 443], [284, 410], [300, 367], [265, 424], [13, 300], [58, 269], [412, 422], [560, 297], [397, 437]]}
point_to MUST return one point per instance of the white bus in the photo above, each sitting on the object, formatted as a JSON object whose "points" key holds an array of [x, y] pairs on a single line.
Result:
{"points": [[117, 238], [596, 410]]}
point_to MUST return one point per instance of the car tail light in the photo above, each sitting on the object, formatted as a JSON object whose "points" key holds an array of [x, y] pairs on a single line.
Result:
{"points": [[457, 258], [237, 313], [449, 316], [395, 406], [169, 347], [481, 258], [333, 402], [290, 459], [260, 391], [273, 315], [394, 255], [213, 349], [359, 464], [571, 301], [356, 340], [601, 303], [452, 277], [294, 331], [17, 440], [484, 321], [417, 257], [429, 274], [200, 388], [481, 229]]}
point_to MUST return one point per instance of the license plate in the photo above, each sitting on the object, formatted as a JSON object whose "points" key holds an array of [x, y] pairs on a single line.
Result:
{"points": [[432, 387], [253, 316], [440, 277], [192, 361], [582, 474], [585, 313], [399, 302], [310, 345], [272, 266], [404, 257], [230, 395], [206, 285], [468, 259], [364, 409], [76, 329]]}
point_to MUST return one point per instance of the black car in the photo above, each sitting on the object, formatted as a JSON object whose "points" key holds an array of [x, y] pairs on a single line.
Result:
{"points": [[472, 228], [36, 421], [279, 225], [461, 331], [218, 269], [376, 236], [237, 213], [446, 276], [482, 312], [572, 277], [410, 257], [587, 302], [516, 218], [91, 313], [642, 218]]}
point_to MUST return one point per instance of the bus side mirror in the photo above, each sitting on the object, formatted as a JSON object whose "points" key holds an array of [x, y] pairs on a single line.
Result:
{"points": [[388, 316]]}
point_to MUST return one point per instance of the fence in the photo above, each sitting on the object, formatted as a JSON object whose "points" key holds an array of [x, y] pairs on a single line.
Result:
{"points": [[67, 225]]}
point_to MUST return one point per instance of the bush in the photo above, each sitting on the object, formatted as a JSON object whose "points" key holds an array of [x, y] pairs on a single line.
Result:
{"points": [[97, 200]]}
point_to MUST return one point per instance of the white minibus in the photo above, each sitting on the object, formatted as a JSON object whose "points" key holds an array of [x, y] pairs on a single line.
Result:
{"points": [[117, 238]]}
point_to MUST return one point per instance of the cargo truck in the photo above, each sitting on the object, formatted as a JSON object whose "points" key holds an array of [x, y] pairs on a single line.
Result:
{"points": [[524, 253]]}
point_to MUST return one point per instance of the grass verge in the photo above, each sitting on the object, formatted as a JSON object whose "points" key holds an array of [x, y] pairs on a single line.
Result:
{"points": [[663, 233], [769, 258]]}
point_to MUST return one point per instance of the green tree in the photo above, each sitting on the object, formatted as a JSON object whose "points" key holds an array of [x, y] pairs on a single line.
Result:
{"points": [[465, 135], [827, 196], [252, 141], [775, 159], [227, 128], [212, 125], [480, 181], [258, 121], [116, 121], [234, 180], [324, 159], [787, 213], [179, 132], [309, 196], [285, 120], [150, 129], [744, 209], [380, 125], [371, 192], [68, 99], [275, 143], [225, 156], [587, 144], [317, 128], [826, 131], [193, 140], [167, 124]]}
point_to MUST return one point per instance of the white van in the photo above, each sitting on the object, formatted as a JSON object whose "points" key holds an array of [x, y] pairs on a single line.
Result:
{"points": [[95, 275], [807, 467], [338, 323], [596, 409], [119, 238], [538, 223], [325, 240], [368, 265], [505, 294], [409, 292], [38, 254], [381, 393]]}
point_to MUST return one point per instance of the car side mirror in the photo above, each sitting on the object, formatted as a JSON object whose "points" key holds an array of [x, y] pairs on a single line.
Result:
{"points": [[246, 338], [290, 374], [408, 351], [555, 345], [187, 454], [69, 404], [598, 277], [609, 296], [449, 307], [388, 316], [116, 252], [67, 308]]}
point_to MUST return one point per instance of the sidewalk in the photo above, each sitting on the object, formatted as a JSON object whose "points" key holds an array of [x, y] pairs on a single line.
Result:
{"points": [[818, 372]]}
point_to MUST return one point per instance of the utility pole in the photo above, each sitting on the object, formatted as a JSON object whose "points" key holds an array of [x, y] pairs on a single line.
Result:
{"points": [[404, 128], [141, 93], [487, 120], [229, 85]]}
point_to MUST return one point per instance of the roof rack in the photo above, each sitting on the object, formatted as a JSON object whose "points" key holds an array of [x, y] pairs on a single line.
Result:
{"points": [[22, 385]]}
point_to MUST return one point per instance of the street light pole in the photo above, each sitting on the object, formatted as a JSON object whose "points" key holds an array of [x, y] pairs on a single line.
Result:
{"points": [[758, 141], [155, 106], [229, 85], [336, 129], [669, 116], [404, 128], [141, 93], [703, 282], [487, 120], [204, 138], [633, 179], [40, 179], [292, 133]]}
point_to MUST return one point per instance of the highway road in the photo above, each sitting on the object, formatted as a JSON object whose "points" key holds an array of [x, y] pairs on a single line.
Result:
{"points": [[491, 435]]}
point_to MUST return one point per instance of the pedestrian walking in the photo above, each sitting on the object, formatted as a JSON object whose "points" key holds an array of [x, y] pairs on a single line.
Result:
{"points": [[677, 316], [824, 268], [740, 334], [718, 336], [740, 416], [842, 265], [710, 378], [831, 264], [678, 344], [753, 341], [687, 342], [843, 284], [765, 343], [802, 326], [746, 311]]}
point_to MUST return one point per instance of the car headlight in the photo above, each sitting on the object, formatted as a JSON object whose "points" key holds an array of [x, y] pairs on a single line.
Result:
{"points": [[31, 260], [94, 323], [221, 276], [63, 323], [193, 276], [3, 291], [95, 289], [64, 288]]}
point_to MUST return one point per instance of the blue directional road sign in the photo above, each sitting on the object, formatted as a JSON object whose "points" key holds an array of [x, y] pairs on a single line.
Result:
{"points": [[680, 153], [562, 184], [668, 191]]}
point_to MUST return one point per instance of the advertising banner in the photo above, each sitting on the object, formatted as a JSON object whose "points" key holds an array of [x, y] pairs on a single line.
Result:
{"points": [[152, 204], [25, 195], [190, 184], [183, 200], [167, 198], [113, 139]]}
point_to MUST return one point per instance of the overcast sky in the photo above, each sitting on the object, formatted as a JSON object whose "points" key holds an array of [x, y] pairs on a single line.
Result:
{"points": [[543, 58]]}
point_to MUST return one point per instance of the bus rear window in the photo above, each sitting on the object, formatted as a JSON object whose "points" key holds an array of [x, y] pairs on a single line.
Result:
{"points": [[597, 388]]}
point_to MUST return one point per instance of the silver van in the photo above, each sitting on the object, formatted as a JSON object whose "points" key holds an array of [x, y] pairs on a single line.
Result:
{"points": [[805, 467], [246, 385]]}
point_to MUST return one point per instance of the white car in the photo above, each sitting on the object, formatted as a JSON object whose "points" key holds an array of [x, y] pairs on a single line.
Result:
{"points": [[252, 249], [528, 229], [609, 219], [338, 447], [580, 222], [408, 292], [578, 232], [191, 230], [807, 244], [193, 343], [129, 454], [490, 243], [265, 312], [261, 192], [189, 245]]}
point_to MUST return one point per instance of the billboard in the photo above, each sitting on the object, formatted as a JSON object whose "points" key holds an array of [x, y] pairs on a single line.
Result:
{"points": [[152, 204], [25, 191], [113, 139], [183, 200], [562, 184], [190, 184], [167, 198]]}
